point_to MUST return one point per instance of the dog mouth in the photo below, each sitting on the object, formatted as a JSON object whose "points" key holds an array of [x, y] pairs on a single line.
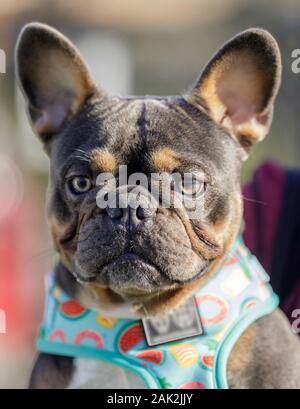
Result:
{"points": [[131, 275], [123, 269], [131, 257], [133, 264]]}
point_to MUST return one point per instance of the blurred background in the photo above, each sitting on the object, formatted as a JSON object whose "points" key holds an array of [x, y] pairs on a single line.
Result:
{"points": [[161, 46]]}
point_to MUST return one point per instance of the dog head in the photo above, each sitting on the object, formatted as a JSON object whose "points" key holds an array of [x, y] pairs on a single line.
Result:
{"points": [[145, 254]]}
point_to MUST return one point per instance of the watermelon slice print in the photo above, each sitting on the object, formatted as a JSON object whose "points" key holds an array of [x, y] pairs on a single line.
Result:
{"points": [[192, 385], [72, 310], [91, 335], [130, 337], [152, 355], [207, 361]]}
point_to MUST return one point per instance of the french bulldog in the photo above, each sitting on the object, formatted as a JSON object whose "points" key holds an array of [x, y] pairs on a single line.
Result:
{"points": [[135, 262]]}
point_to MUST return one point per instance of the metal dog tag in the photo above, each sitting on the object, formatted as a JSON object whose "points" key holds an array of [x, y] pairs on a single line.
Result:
{"points": [[184, 322]]}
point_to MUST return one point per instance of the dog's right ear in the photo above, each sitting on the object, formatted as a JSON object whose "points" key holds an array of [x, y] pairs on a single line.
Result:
{"points": [[239, 86], [53, 77]]}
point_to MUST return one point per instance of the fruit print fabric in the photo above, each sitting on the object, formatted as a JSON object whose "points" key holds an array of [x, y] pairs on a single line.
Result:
{"points": [[237, 295]]}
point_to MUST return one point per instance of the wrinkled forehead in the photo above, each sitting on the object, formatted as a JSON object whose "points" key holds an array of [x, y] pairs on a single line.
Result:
{"points": [[149, 134]]}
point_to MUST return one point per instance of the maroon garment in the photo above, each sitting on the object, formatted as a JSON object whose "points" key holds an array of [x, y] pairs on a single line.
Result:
{"points": [[292, 302], [263, 199], [262, 204]]}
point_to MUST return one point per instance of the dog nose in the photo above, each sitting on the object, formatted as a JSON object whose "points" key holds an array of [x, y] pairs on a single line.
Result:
{"points": [[131, 215], [134, 212]]}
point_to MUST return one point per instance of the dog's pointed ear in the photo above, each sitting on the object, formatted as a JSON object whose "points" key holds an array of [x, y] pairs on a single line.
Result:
{"points": [[53, 77], [239, 85]]}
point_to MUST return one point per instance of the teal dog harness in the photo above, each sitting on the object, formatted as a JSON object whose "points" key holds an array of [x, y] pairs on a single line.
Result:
{"points": [[237, 295]]}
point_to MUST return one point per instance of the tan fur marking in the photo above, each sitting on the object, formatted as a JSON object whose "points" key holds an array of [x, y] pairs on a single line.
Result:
{"points": [[165, 160], [104, 161], [106, 301], [238, 71]]}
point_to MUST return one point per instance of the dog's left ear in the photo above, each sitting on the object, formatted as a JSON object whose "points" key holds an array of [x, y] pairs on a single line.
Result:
{"points": [[53, 77], [239, 85]]}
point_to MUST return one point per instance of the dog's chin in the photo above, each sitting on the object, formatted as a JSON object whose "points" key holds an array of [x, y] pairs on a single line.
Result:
{"points": [[135, 279], [129, 275]]}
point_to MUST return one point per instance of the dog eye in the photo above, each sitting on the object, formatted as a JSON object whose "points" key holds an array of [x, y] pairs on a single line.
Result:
{"points": [[193, 187], [80, 184]]}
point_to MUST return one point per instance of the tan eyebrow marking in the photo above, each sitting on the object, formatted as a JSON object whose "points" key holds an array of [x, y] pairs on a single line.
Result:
{"points": [[165, 160], [103, 160]]}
